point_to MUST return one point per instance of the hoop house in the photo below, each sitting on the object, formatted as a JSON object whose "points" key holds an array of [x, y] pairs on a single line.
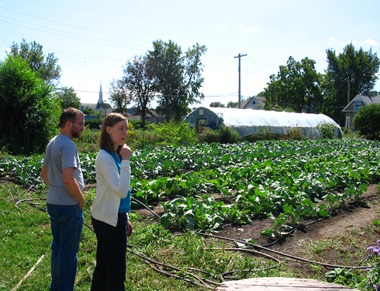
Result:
{"points": [[250, 121]]}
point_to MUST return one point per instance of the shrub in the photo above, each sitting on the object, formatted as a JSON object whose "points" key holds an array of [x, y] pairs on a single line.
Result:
{"points": [[295, 134], [228, 135], [264, 133], [326, 129], [29, 113], [223, 134], [89, 141], [168, 133], [207, 135], [366, 121]]}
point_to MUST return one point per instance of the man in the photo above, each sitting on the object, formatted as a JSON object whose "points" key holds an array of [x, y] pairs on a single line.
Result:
{"points": [[62, 174]]}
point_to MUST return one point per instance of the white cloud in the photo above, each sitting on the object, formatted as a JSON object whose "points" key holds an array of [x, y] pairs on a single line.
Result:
{"points": [[371, 42], [332, 40]]}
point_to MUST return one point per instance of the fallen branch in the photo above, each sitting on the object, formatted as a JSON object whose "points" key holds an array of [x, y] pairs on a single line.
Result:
{"points": [[28, 274]]}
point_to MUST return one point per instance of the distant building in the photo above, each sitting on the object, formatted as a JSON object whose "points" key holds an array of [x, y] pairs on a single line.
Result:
{"points": [[151, 115], [354, 105], [100, 108], [254, 102], [252, 121]]}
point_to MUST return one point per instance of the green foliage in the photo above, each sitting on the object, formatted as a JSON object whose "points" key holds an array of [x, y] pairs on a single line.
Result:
{"points": [[177, 76], [264, 133], [190, 213], [28, 114], [353, 70], [296, 86], [222, 135], [295, 134], [89, 140], [228, 135], [366, 121], [207, 135], [45, 66], [120, 96], [25, 239], [94, 124], [285, 180], [371, 280], [168, 133], [137, 84], [68, 98], [327, 130]]}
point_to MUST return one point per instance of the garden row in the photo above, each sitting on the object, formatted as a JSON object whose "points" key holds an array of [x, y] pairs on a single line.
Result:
{"points": [[284, 180]]}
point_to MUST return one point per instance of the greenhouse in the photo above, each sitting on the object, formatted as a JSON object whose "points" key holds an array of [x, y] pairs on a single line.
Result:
{"points": [[250, 121]]}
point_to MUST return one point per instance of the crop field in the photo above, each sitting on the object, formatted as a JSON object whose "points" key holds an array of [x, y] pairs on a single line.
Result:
{"points": [[200, 189], [209, 185]]}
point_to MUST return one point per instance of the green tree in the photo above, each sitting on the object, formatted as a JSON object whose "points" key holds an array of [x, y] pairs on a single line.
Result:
{"points": [[46, 66], [178, 77], [139, 80], [232, 104], [29, 114], [68, 98], [296, 87], [216, 104], [348, 74], [366, 121], [119, 96]]}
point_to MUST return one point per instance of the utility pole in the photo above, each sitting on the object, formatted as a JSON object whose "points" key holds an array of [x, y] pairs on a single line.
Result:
{"points": [[240, 56]]}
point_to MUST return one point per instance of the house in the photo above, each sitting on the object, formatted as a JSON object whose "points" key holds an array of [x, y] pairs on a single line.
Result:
{"points": [[151, 116], [354, 105], [252, 121], [254, 102]]}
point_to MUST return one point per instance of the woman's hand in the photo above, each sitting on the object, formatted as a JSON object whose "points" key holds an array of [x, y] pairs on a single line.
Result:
{"points": [[129, 229], [126, 152]]}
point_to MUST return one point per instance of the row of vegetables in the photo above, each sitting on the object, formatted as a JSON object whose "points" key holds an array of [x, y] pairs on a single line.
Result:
{"points": [[205, 186]]}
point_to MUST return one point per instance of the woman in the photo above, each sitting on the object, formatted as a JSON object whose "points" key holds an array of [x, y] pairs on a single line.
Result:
{"points": [[112, 204]]}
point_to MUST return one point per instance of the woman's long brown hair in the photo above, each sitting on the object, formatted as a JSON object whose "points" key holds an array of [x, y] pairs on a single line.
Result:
{"points": [[105, 141]]}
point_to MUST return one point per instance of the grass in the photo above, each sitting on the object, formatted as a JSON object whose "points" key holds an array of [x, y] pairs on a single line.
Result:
{"points": [[25, 238]]}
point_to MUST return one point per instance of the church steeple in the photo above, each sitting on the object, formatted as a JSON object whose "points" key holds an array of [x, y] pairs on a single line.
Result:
{"points": [[100, 103]]}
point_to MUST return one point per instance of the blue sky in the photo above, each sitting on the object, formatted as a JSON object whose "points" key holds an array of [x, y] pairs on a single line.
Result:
{"points": [[93, 39]]}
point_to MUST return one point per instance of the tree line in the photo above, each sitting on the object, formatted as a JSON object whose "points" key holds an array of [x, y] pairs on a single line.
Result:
{"points": [[32, 100], [299, 87]]}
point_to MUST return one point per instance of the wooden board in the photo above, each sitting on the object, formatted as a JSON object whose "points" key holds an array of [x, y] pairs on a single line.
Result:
{"points": [[280, 284]]}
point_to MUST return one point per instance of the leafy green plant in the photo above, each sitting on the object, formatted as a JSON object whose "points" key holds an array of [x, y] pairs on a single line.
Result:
{"points": [[366, 121], [372, 276], [326, 130]]}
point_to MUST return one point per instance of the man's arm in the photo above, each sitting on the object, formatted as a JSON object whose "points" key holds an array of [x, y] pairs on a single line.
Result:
{"points": [[72, 186], [44, 175]]}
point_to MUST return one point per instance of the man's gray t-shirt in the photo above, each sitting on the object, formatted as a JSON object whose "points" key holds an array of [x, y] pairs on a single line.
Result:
{"points": [[61, 153]]}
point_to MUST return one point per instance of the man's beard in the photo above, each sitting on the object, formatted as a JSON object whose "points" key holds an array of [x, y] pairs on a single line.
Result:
{"points": [[75, 134]]}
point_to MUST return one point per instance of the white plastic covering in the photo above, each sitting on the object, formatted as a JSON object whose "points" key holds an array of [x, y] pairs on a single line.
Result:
{"points": [[251, 121]]}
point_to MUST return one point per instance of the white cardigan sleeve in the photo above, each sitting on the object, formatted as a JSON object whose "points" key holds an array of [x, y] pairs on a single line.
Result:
{"points": [[107, 173]]}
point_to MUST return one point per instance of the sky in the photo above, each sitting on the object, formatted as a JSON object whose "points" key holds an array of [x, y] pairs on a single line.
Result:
{"points": [[94, 39]]}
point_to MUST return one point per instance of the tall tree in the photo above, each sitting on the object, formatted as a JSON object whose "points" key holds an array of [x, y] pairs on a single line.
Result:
{"points": [[119, 96], [348, 74], [28, 113], [140, 82], [178, 77], [46, 66], [295, 87], [68, 98]]}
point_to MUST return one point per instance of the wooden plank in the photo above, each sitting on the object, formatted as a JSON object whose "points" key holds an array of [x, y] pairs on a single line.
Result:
{"points": [[279, 283]]}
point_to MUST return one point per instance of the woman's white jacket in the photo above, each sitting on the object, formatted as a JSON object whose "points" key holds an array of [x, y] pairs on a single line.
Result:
{"points": [[110, 187]]}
